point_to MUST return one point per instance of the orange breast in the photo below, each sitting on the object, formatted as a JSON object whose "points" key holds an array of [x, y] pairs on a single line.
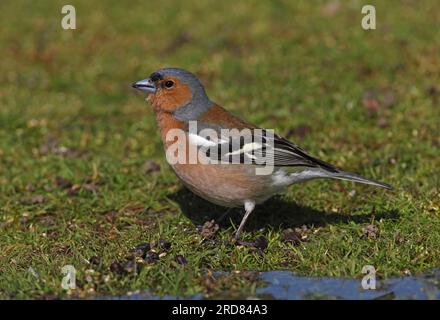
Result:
{"points": [[227, 185], [223, 184]]}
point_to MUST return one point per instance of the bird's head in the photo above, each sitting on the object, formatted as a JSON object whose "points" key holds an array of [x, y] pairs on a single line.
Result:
{"points": [[175, 91]]}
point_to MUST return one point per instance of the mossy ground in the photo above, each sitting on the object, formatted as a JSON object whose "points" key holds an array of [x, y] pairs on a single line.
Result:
{"points": [[366, 101]]}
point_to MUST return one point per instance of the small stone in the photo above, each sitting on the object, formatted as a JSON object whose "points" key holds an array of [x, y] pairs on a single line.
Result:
{"points": [[89, 275], [303, 232], [164, 244], [407, 272], [140, 250], [33, 272], [352, 193], [291, 237], [151, 257], [63, 183], [181, 259], [399, 238], [117, 268], [130, 266], [144, 246], [137, 252], [261, 243], [371, 231], [95, 260], [209, 229]]}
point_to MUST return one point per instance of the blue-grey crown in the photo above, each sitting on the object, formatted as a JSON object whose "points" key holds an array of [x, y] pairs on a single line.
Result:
{"points": [[200, 101]]}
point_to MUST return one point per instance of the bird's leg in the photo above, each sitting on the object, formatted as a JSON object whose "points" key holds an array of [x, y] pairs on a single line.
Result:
{"points": [[249, 207], [223, 216]]}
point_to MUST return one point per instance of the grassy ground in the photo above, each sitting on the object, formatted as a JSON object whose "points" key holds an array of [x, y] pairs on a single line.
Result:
{"points": [[79, 148]]}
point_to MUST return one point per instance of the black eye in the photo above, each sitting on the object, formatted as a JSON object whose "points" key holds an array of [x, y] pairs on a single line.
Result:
{"points": [[169, 84]]}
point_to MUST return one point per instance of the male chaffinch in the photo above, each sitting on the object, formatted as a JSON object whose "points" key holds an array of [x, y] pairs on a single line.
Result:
{"points": [[179, 99]]}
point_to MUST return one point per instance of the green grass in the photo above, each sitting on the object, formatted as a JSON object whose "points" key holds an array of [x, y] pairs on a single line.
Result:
{"points": [[305, 69]]}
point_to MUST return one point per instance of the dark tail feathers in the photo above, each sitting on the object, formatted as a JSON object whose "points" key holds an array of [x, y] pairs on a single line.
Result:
{"points": [[357, 178]]}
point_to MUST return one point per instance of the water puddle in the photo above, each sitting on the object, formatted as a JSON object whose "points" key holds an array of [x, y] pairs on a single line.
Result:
{"points": [[286, 285]]}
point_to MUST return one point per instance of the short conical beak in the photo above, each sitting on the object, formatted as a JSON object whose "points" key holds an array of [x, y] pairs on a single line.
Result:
{"points": [[145, 85]]}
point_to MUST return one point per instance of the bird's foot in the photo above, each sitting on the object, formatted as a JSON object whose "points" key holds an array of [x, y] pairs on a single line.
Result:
{"points": [[260, 243], [236, 241]]}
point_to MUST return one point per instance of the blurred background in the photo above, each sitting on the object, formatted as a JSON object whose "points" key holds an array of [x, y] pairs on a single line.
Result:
{"points": [[367, 101], [285, 64]]}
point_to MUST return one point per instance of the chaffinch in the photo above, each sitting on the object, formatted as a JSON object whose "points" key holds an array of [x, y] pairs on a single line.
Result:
{"points": [[180, 104]]}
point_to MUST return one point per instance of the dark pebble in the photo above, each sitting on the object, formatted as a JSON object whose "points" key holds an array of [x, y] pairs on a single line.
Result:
{"points": [[95, 260], [291, 237], [144, 247], [63, 183], [181, 259], [117, 268], [261, 243], [137, 252], [130, 257], [130, 266], [151, 257], [140, 250], [164, 244]]}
